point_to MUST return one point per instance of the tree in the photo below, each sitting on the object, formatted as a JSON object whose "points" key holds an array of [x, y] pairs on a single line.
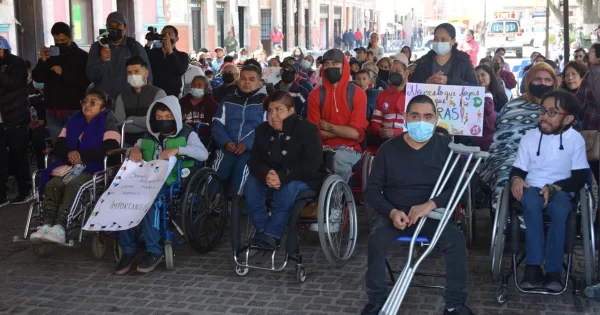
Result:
{"points": [[589, 8]]}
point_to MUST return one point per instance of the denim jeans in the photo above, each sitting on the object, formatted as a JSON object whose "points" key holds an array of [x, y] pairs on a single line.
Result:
{"points": [[343, 161], [451, 242], [283, 200], [56, 124], [151, 230], [559, 207]]}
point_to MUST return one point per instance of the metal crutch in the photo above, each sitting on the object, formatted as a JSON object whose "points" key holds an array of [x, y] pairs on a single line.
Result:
{"points": [[393, 302]]}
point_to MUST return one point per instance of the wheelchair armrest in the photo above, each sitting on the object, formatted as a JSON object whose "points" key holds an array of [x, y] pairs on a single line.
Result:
{"points": [[437, 214], [463, 149], [308, 194], [114, 152]]}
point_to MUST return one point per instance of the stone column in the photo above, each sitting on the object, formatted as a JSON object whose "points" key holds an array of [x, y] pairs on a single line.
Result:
{"points": [[290, 37], [209, 35], [301, 25], [254, 19]]}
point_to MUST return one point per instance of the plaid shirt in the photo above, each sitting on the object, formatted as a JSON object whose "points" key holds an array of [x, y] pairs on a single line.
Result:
{"points": [[590, 115]]}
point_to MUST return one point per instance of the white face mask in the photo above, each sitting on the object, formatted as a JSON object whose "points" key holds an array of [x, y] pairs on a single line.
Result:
{"points": [[441, 48], [135, 80]]}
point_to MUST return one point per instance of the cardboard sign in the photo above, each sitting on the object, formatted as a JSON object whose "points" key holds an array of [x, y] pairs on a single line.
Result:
{"points": [[271, 74], [460, 108], [129, 197]]}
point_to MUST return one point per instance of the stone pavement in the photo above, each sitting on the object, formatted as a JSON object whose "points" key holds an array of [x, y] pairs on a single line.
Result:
{"points": [[71, 281]]}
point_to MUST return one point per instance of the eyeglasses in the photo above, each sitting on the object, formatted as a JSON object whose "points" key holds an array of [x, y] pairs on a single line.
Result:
{"points": [[89, 103], [550, 112]]}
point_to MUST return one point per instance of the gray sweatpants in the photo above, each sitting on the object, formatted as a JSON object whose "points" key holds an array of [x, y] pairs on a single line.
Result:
{"points": [[343, 161]]}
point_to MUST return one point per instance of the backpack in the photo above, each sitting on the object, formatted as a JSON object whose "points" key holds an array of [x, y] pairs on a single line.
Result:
{"points": [[130, 43], [350, 96]]}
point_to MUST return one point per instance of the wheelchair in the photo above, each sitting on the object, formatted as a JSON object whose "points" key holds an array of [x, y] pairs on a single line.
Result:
{"points": [[338, 246], [508, 227], [80, 210], [457, 151]]}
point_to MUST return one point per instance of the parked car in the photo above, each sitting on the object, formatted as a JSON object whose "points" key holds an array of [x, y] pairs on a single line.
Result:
{"points": [[506, 34]]}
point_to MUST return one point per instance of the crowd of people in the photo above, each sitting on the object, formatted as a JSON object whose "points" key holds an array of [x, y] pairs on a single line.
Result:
{"points": [[272, 137]]}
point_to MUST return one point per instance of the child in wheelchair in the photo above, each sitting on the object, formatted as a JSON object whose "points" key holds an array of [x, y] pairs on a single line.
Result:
{"points": [[167, 136], [80, 148], [550, 166]]}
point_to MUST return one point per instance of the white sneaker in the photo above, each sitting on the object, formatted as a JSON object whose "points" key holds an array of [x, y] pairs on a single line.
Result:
{"points": [[56, 234], [335, 217], [36, 237]]}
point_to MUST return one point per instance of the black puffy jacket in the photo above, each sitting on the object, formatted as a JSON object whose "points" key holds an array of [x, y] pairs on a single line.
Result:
{"points": [[14, 99], [461, 73]]}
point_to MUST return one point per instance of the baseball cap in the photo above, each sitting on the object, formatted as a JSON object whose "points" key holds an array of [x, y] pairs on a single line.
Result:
{"points": [[360, 49], [371, 67], [218, 48], [354, 61], [333, 54], [117, 17], [4, 43], [402, 58]]}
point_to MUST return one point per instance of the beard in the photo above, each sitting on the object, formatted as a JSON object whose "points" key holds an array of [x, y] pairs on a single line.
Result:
{"points": [[553, 130]]}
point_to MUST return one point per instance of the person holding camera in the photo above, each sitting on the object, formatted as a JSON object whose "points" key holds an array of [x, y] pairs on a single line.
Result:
{"points": [[106, 63], [61, 69], [14, 123], [168, 64]]}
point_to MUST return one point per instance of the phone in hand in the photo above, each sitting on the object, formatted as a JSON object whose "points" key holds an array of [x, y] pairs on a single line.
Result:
{"points": [[53, 51]]}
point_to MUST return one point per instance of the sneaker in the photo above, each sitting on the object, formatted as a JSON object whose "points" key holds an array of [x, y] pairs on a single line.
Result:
{"points": [[4, 202], [371, 309], [532, 278], [149, 262], [461, 310], [334, 222], [55, 234], [23, 198], [125, 264], [593, 291], [553, 281], [36, 237]]}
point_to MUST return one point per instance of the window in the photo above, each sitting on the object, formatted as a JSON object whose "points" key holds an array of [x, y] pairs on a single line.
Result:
{"points": [[81, 22], [265, 24], [497, 28], [511, 27]]}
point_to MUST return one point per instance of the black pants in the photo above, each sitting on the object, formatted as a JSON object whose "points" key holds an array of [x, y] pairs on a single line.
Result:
{"points": [[39, 142], [451, 242], [15, 140]]}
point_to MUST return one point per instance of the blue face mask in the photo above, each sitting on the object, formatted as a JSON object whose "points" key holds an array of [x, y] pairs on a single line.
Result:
{"points": [[420, 131], [39, 86]]}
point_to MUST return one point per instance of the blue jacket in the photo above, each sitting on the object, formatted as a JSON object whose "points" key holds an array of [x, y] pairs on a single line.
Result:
{"points": [[237, 117], [371, 99]]}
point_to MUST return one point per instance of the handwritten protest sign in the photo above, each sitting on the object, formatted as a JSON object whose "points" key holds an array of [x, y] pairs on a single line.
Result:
{"points": [[271, 74], [460, 108], [131, 194]]}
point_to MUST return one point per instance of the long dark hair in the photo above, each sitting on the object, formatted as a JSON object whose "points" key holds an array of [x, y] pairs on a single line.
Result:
{"points": [[494, 86]]}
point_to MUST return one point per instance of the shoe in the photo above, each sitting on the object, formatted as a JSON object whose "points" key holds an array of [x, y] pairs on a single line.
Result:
{"points": [[371, 309], [4, 202], [593, 291], [334, 222], [553, 281], [532, 278], [23, 198], [125, 264], [36, 237], [461, 310], [56, 234], [149, 262]]}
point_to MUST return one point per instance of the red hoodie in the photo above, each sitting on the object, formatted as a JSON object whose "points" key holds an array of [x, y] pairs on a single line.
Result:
{"points": [[336, 110]]}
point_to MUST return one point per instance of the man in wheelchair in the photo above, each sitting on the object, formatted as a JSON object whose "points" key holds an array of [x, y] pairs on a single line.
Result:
{"points": [[167, 136], [550, 166], [285, 160], [403, 175]]}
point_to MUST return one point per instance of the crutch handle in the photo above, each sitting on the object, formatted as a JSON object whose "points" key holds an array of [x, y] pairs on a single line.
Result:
{"points": [[481, 155], [463, 149], [437, 214]]}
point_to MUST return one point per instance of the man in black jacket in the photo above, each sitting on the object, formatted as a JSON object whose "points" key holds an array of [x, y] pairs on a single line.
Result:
{"points": [[64, 78], [168, 64], [230, 75], [14, 121]]}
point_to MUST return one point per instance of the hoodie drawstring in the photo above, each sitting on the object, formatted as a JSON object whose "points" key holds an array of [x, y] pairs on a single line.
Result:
{"points": [[561, 146], [540, 143], [335, 101]]}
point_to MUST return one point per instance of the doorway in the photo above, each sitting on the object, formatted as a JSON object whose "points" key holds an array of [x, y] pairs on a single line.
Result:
{"points": [[196, 28], [284, 24], [296, 23], [307, 29], [241, 27], [220, 24]]}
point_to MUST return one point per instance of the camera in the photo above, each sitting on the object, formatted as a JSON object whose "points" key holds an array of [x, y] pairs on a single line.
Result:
{"points": [[153, 34]]}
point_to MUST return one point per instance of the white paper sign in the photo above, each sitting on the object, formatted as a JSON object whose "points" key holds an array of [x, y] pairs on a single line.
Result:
{"points": [[129, 197], [271, 74], [460, 108]]}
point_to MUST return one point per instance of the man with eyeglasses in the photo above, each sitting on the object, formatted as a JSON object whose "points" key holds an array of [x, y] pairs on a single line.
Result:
{"points": [[550, 166]]}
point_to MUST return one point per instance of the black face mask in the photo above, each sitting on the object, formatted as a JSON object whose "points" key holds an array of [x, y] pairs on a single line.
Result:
{"points": [[538, 90], [384, 75], [396, 79], [166, 126], [228, 78], [115, 34], [62, 47], [333, 75], [288, 76]]}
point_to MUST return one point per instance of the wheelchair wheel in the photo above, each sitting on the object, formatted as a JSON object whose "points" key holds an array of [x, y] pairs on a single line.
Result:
{"points": [[117, 251], [204, 215], [99, 245], [587, 234], [169, 256], [300, 273], [498, 236], [337, 221], [241, 271], [366, 170]]}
